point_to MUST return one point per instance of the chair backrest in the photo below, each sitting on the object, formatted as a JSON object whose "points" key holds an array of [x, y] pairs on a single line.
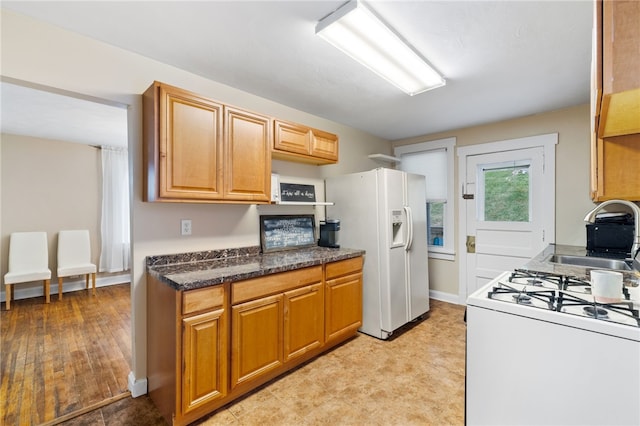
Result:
{"points": [[74, 247], [28, 251]]}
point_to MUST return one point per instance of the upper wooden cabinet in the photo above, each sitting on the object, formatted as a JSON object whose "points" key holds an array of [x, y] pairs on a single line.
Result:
{"points": [[615, 144], [198, 150], [296, 142]]}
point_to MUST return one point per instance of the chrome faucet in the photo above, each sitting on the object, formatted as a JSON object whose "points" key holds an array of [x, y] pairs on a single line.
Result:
{"points": [[635, 248]]}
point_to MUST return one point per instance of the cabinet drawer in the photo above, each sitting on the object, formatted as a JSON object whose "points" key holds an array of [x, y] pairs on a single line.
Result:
{"points": [[271, 284], [343, 267], [202, 299]]}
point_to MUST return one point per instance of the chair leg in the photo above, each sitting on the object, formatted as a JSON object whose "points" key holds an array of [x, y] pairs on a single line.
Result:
{"points": [[7, 293], [93, 282], [59, 288], [47, 285], [86, 281]]}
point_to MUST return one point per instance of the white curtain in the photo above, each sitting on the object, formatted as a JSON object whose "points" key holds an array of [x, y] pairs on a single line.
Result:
{"points": [[115, 253]]}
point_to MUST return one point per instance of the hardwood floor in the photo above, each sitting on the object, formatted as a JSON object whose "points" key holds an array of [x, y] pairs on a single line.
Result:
{"points": [[65, 356], [416, 378]]}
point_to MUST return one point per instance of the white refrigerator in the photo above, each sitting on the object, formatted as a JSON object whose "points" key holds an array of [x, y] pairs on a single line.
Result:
{"points": [[383, 211]]}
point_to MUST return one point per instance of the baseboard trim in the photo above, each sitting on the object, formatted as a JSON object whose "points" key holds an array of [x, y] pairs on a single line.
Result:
{"points": [[445, 297], [78, 283], [136, 387]]}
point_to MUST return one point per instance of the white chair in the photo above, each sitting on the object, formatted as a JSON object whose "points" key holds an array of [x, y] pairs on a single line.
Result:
{"points": [[74, 257], [28, 261]]}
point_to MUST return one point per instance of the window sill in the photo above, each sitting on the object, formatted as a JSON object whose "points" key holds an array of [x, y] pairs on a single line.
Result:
{"points": [[437, 252]]}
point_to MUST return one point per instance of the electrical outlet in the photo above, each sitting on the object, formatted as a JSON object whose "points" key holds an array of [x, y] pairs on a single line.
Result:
{"points": [[185, 226]]}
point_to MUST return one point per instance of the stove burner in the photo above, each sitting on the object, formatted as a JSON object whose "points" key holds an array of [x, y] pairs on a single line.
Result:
{"points": [[522, 298], [535, 278], [595, 312]]}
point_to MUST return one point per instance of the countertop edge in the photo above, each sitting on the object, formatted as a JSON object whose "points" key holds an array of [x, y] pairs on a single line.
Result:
{"points": [[200, 274]]}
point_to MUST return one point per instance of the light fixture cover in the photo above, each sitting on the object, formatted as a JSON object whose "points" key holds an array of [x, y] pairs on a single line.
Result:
{"points": [[359, 33]]}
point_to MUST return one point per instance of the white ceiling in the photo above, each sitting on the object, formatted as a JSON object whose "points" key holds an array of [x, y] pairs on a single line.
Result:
{"points": [[501, 59], [30, 111]]}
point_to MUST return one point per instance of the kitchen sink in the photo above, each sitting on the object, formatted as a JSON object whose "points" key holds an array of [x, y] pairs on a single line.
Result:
{"points": [[590, 262]]}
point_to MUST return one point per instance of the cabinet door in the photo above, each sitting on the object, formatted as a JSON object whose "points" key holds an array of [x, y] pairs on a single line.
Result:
{"points": [[290, 137], [324, 145], [204, 359], [343, 308], [256, 338], [247, 172], [303, 320], [190, 146]]}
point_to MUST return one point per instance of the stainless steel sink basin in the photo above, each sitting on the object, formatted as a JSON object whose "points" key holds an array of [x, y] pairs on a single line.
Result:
{"points": [[589, 262]]}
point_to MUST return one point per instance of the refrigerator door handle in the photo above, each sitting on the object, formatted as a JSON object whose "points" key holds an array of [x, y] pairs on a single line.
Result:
{"points": [[409, 215]]}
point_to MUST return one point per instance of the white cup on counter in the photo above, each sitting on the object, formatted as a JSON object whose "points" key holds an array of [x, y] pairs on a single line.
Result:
{"points": [[606, 286]]}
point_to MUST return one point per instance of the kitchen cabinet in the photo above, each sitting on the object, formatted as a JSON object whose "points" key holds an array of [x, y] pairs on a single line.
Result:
{"points": [[187, 345], [296, 142], [343, 307], [275, 319], [208, 346], [199, 150], [615, 144]]}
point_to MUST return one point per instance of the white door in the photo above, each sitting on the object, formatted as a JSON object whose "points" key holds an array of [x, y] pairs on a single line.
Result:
{"points": [[508, 212]]}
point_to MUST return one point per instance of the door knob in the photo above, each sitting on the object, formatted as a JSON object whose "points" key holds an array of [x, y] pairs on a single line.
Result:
{"points": [[471, 243]]}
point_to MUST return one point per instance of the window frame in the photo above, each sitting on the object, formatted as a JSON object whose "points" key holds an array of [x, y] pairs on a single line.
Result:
{"points": [[447, 250]]}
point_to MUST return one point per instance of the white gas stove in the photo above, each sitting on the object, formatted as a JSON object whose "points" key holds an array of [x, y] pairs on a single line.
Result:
{"points": [[560, 295], [541, 337]]}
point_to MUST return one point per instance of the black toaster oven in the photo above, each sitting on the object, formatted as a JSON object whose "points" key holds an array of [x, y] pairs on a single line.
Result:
{"points": [[612, 236]]}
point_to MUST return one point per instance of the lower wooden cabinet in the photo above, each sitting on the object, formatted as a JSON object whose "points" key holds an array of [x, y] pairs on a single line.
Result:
{"points": [[209, 346], [275, 319], [343, 307], [256, 338], [187, 350], [303, 321], [204, 357]]}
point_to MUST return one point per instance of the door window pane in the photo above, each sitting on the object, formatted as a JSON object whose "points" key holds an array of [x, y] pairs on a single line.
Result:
{"points": [[506, 193]]}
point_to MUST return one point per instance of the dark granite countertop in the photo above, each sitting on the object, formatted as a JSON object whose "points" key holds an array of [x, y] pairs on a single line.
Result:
{"points": [[540, 264], [206, 268]]}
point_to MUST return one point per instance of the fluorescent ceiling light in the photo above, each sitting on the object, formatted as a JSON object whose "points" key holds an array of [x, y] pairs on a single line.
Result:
{"points": [[356, 31]]}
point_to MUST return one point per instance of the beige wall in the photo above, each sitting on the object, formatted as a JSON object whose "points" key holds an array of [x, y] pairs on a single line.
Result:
{"points": [[572, 175], [49, 186], [46, 55]]}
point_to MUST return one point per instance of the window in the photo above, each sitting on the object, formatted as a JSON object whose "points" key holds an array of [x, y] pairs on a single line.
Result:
{"points": [[434, 160], [504, 192]]}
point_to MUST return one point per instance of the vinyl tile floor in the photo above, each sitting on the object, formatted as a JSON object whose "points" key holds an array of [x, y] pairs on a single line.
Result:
{"points": [[414, 378]]}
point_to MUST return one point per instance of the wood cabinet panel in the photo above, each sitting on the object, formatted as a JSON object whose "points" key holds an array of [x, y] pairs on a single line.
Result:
{"points": [[254, 288], [343, 306], [295, 142], [615, 141], [291, 138], [204, 359], [248, 156], [257, 338], [198, 150], [620, 45], [324, 145], [303, 320], [343, 267], [618, 171], [202, 299]]}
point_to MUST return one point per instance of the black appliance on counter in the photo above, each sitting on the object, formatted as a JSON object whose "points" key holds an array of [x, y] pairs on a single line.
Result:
{"points": [[611, 235], [329, 233]]}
